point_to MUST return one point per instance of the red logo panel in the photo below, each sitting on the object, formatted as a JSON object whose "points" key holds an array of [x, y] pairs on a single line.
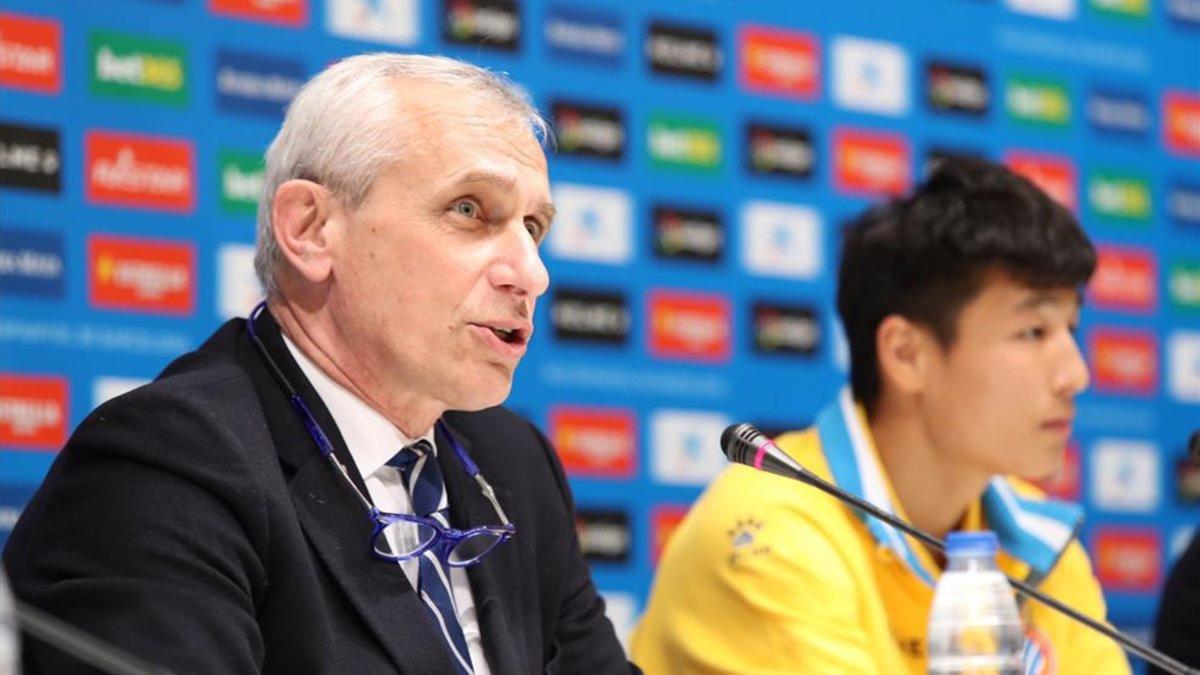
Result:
{"points": [[664, 520], [141, 274], [1053, 174], [1181, 122], [1125, 278], [1124, 360], [594, 441], [778, 61], [30, 53], [292, 13], [1127, 559], [690, 326], [139, 171], [33, 411], [871, 162]]}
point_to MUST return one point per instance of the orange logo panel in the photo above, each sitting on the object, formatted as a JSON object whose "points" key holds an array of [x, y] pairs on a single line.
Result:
{"points": [[30, 53], [871, 163], [594, 441], [689, 326], [141, 275], [33, 411], [139, 171]]}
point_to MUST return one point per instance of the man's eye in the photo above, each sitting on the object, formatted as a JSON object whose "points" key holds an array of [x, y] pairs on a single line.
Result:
{"points": [[467, 208], [1033, 333], [536, 230]]}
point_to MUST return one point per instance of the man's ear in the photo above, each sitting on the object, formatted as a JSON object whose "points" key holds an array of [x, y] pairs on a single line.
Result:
{"points": [[902, 349], [300, 218]]}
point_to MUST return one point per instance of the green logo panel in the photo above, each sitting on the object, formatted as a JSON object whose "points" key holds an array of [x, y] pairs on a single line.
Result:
{"points": [[679, 142], [134, 67], [241, 180]]}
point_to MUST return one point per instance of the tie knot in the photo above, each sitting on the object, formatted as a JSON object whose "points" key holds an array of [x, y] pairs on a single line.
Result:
{"points": [[409, 454]]}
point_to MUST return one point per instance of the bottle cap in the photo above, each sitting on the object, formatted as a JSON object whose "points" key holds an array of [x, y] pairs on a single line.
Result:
{"points": [[981, 542]]}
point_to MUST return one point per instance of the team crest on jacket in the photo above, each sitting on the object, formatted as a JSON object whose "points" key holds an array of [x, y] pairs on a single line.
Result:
{"points": [[1039, 654], [743, 540]]}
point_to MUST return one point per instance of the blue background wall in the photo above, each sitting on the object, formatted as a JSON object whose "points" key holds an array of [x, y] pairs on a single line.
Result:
{"points": [[709, 152]]}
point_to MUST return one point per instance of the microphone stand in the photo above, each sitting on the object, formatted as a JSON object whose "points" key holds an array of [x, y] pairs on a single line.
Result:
{"points": [[802, 474]]}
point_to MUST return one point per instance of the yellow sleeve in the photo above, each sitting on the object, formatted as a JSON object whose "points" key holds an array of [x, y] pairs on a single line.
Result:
{"points": [[752, 583], [1079, 650]]}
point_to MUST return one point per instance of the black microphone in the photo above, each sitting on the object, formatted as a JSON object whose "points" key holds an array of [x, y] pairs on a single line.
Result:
{"points": [[743, 444]]}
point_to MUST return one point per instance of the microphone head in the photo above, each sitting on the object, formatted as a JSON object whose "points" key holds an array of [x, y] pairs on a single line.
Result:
{"points": [[740, 442]]}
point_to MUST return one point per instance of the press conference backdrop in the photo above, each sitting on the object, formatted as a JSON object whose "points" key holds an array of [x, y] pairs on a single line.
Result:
{"points": [[708, 154]]}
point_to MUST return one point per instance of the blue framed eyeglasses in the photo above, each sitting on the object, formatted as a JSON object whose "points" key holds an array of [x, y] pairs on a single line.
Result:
{"points": [[402, 536]]}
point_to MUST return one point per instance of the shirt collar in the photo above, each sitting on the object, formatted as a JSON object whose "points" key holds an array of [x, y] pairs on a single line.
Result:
{"points": [[1031, 528], [371, 439]]}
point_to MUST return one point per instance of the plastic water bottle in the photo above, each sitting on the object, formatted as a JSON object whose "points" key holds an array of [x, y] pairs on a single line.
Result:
{"points": [[974, 626]]}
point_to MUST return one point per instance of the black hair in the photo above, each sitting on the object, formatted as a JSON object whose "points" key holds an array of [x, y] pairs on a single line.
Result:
{"points": [[926, 256]]}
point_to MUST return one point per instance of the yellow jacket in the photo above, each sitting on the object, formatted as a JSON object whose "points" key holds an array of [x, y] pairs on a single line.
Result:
{"points": [[767, 575]]}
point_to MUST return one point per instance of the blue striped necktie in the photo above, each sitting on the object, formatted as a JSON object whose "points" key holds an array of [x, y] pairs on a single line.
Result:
{"points": [[423, 477]]}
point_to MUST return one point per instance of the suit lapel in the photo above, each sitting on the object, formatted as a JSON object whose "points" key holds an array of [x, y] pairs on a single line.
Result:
{"points": [[335, 521], [495, 581]]}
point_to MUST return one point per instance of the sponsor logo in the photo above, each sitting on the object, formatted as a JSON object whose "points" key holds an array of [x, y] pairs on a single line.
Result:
{"points": [[139, 171], [1118, 113], [779, 61], [1183, 282], [1183, 203], [1183, 355], [1181, 122], [956, 87], [590, 315], [781, 240], [1125, 278], [1124, 9], [594, 442], [779, 151], [141, 274], [1184, 12], [688, 234], [589, 130], [1124, 360], [395, 22], [33, 411], [691, 326], [1119, 195], [105, 389], [683, 446], [678, 142], [1125, 476], [1037, 100], [290, 13], [241, 180], [30, 158], [1187, 481], [1127, 558], [238, 287], [1066, 482], [1053, 175], [663, 521], [604, 535], [13, 499], [621, 609], [870, 76], [32, 264], [495, 24], [785, 329], [870, 162], [1048, 9], [135, 67], [255, 83], [684, 50], [30, 53], [585, 34], [593, 224]]}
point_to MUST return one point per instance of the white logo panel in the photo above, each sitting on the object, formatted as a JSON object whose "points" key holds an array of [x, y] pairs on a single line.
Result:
{"points": [[781, 240], [593, 224]]}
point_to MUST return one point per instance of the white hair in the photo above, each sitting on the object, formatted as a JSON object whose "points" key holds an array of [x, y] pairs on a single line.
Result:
{"points": [[343, 129]]}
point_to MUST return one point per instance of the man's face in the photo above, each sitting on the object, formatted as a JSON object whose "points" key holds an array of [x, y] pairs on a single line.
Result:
{"points": [[1001, 396], [437, 272]]}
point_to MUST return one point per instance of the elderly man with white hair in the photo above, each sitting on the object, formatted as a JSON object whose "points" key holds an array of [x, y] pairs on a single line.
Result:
{"points": [[328, 486]]}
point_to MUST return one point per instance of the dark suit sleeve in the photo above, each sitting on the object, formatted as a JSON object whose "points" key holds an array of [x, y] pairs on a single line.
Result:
{"points": [[586, 639], [139, 536], [1177, 632]]}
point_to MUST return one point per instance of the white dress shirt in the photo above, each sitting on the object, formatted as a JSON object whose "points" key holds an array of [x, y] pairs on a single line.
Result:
{"points": [[372, 441]]}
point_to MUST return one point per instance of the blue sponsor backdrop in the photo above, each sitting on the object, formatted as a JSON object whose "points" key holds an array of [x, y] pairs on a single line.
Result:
{"points": [[709, 152]]}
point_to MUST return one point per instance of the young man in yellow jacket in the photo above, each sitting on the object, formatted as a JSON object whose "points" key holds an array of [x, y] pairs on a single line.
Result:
{"points": [[960, 304]]}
